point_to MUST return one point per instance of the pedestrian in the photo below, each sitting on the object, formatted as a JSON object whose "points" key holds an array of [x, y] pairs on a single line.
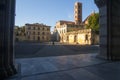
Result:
{"points": [[53, 43]]}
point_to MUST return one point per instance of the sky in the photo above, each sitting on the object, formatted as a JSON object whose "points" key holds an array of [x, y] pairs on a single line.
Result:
{"points": [[50, 11]]}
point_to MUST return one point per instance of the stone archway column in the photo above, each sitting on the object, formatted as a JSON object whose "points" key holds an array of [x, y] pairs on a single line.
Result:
{"points": [[109, 28], [7, 14]]}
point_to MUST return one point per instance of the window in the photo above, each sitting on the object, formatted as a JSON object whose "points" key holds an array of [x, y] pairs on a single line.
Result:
{"points": [[33, 33], [43, 29], [43, 37], [38, 28], [76, 6], [43, 33], [38, 38], [38, 33], [33, 28], [28, 33], [75, 38], [33, 37], [78, 10], [67, 38], [75, 16], [28, 37], [29, 28], [79, 6], [48, 29], [75, 11]]}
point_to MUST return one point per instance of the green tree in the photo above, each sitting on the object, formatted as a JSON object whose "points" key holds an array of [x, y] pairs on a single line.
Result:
{"points": [[93, 22]]}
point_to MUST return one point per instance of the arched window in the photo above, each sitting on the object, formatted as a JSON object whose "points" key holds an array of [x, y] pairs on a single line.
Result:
{"points": [[67, 38], [33, 33], [75, 38], [33, 37], [38, 38], [38, 33], [38, 28], [43, 28], [42, 37], [33, 28], [43, 33], [48, 29]]}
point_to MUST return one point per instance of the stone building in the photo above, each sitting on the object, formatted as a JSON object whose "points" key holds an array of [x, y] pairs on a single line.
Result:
{"points": [[37, 32], [75, 32], [62, 27], [82, 37]]}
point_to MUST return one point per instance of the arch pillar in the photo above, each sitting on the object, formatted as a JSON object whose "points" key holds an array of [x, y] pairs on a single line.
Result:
{"points": [[109, 28], [7, 14]]}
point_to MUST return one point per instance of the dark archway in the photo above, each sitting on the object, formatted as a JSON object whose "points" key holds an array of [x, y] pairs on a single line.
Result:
{"points": [[38, 38], [109, 28], [7, 15], [75, 39]]}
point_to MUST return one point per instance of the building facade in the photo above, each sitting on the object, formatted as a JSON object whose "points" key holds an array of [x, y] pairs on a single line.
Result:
{"points": [[82, 37], [62, 27], [37, 32], [75, 32]]}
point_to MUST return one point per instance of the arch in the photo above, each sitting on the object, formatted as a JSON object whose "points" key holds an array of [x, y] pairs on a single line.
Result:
{"points": [[38, 38], [75, 38]]}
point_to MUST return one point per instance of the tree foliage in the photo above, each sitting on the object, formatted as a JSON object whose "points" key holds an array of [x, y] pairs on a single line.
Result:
{"points": [[93, 22], [19, 31]]}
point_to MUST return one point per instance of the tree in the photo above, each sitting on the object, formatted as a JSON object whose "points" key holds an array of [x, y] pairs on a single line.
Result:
{"points": [[19, 31], [93, 22], [23, 30]]}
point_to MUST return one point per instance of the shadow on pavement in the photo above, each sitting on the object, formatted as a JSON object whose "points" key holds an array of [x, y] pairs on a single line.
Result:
{"points": [[31, 50]]}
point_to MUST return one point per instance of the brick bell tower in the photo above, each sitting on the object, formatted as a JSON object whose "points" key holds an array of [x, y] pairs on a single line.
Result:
{"points": [[78, 13]]}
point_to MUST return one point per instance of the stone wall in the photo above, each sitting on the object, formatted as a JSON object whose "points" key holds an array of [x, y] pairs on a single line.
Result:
{"points": [[109, 28], [7, 15], [82, 37]]}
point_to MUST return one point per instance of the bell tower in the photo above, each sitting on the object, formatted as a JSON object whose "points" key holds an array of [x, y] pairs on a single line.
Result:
{"points": [[78, 13]]}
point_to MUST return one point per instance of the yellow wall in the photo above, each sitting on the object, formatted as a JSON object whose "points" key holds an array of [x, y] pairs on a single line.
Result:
{"points": [[71, 38], [80, 37]]}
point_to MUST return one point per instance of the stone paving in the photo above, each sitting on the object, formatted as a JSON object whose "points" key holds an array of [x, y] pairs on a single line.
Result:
{"points": [[30, 50], [72, 67]]}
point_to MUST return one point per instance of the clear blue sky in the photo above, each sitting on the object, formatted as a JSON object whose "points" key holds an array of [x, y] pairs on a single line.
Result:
{"points": [[50, 11]]}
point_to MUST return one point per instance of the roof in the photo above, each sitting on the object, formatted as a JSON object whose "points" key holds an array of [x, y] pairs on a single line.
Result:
{"points": [[66, 22], [77, 3], [36, 24]]}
